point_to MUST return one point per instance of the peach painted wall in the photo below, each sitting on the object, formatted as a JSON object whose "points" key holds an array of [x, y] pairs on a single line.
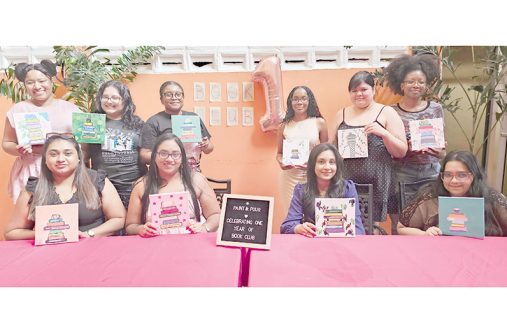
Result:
{"points": [[244, 154]]}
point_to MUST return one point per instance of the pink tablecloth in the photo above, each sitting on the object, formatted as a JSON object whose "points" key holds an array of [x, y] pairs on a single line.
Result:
{"points": [[172, 261], [380, 261]]}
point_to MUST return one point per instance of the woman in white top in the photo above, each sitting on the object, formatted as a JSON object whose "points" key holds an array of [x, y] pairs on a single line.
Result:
{"points": [[303, 121], [38, 81]]}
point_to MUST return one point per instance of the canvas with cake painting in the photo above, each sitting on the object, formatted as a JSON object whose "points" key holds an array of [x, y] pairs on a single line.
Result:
{"points": [[335, 217], [461, 216]]}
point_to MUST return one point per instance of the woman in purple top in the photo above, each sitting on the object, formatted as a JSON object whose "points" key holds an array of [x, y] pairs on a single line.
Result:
{"points": [[324, 180]]}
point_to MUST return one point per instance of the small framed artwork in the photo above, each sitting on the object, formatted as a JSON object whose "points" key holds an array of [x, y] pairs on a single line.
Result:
{"points": [[248, 92], [215, 116], [199, 91], [248, 115], [232, 116], [232, 92], [215, 92], [201, 112]]}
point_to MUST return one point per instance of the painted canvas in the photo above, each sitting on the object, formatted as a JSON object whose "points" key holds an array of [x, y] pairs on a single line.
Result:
{"points": [[187, 128], [353, 143], [170, 212], [56, 224], [31, 127], [335, 217], [295, 151], [89, 127], [461, 216], [427, 133]]}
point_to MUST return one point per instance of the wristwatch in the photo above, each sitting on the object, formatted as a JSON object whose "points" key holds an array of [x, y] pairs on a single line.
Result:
{"points": [[90, 233]]}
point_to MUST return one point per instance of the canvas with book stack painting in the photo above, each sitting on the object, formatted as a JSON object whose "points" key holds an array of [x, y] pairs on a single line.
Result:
{"points": [[170, 212], [335, 217], [461, 216]]}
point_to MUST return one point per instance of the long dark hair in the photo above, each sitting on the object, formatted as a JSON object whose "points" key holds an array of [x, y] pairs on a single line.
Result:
{"points": [[400, 67], [128, 118], [478, 188], [337, 184], [313, 109], [153, 182]]}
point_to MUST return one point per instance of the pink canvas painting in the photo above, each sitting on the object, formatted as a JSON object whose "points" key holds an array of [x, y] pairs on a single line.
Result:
{"points": [[170, 212], [56, 224]]}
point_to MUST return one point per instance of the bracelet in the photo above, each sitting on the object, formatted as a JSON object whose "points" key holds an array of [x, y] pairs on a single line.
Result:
{"points": [[206, 227]]}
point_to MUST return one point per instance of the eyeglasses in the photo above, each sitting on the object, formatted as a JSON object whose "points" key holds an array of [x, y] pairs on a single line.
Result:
{"points": [[176, 95], [164, 154], [114, 99], [60, 135], [413, 83], [297, 100], [460, 176]]}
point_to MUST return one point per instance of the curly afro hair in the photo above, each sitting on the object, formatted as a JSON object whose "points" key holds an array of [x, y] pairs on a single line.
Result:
{"points": [[399, 68]]}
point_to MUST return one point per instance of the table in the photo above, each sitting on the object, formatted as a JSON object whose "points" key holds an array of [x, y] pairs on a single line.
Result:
{"points": [[128, 261], [380, 261]]}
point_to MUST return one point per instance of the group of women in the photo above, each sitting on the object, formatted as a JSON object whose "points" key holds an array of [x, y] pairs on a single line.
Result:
{"points": [[114, 196]]}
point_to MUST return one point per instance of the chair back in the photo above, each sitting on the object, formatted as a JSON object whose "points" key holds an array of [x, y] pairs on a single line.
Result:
{"points": [[221, 187], [365, 195], [408, 190]]}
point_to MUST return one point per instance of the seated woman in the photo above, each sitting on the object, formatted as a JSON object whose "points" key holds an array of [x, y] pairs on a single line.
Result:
{"points": [[324, 180], [169, 172], [64, 179], [461, 177]]}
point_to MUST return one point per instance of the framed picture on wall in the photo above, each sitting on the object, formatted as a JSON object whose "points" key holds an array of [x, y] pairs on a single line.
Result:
{"points": [[248, 92], [247, 116], [232, 116], [199, 91], [215, 92], [215, 116], [201, 112], [232, 92]]}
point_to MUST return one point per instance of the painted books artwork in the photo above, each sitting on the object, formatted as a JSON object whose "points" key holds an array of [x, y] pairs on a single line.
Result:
{"points": [[170, 212], [461, 216], [335, 217], [427, 133], [89, 127], [31, 127], [295, 151], [353, 143], [56, 224], [187, 128]]}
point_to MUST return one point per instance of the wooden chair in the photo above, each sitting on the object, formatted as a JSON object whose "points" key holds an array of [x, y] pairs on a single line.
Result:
{"points": [[224, 186], [365, 195]]}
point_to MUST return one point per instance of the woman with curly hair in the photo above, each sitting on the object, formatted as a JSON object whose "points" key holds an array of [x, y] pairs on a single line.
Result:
{"points": [[302, 121], [411, 77], [38, 82], [119, 155]]}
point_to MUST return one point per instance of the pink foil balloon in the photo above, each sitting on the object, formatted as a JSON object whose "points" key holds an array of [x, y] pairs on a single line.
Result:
{"points": [[269, 73]]}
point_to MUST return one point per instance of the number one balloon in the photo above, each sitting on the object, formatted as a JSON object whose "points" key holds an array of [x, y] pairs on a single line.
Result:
{"points": [[269, 73]]}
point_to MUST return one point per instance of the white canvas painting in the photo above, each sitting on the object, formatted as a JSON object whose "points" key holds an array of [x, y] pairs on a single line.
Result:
{"points": [[295, 151], [232, 92], [215, 116], [353, 143], [248, 115], [232, 116], [199, 91], [215, 92], [248, 92]]}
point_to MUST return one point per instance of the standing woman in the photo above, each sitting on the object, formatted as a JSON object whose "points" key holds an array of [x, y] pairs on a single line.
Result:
{"points": [[38, 81], [386, 138], [119, 155], [303, 121], [411, 77]]}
